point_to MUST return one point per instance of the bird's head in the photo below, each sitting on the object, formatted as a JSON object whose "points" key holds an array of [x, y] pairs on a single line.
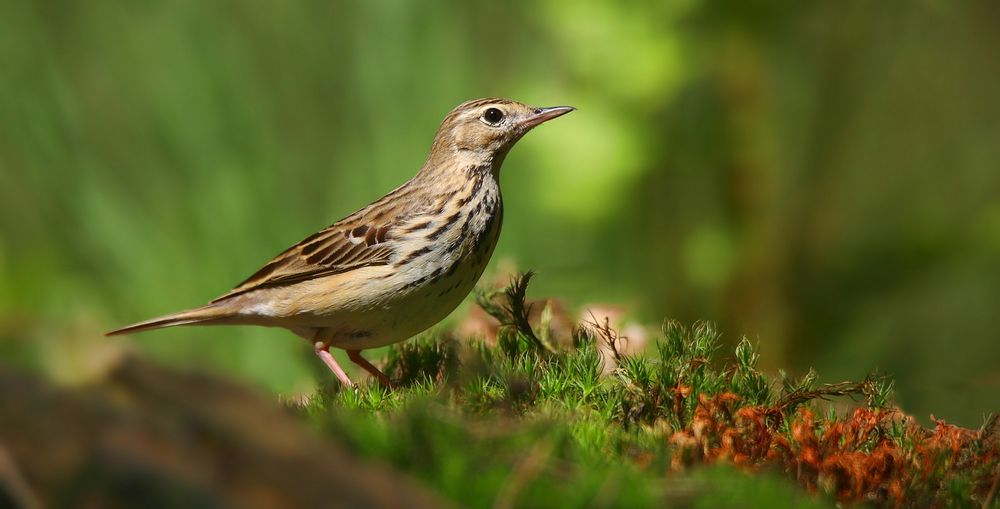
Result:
{"points": [[485, 129]]}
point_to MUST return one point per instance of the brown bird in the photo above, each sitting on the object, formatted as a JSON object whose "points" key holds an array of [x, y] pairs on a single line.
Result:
{"points": [[396, 267]]}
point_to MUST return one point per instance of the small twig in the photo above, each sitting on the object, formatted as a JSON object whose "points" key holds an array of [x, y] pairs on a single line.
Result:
{"points": [[990, 426], [796, 398], [867, 387], [610, 336]]}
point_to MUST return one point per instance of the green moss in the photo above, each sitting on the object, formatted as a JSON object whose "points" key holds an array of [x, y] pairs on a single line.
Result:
{"points": [[524, 424]]}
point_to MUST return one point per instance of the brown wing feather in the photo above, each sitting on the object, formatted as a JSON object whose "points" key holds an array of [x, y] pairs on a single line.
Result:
{"points": [[347, 245]]}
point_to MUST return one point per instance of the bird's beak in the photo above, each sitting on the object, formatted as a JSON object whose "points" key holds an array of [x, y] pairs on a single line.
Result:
{"points": [[540, 115]]}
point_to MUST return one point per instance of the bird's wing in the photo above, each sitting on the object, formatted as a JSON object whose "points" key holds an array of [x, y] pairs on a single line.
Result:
{"points": [[345, 246]]}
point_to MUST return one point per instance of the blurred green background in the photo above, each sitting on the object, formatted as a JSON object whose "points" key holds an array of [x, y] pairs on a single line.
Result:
{"points": [[824, 177]]}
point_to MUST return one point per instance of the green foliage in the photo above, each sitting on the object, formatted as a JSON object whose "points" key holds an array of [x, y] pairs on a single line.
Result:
{"points": [[516, 424], [426, 360], [519, 423], [749, 382]]}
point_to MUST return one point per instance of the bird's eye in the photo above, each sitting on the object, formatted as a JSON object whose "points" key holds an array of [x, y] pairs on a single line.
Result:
{"points": [[493, 116]]}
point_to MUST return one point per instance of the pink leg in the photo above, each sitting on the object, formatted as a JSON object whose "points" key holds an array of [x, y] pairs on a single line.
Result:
{"points": [[323, 352], [355, 355]]}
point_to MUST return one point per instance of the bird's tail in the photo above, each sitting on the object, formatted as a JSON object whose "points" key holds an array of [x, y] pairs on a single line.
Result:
{"points": [[211, 313]]}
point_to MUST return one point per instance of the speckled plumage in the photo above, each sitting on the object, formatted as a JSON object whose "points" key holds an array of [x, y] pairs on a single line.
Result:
{"points": [[397, 266]]}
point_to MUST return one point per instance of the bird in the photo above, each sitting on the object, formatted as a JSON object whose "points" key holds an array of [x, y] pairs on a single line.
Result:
{"points": [[397, 266]]}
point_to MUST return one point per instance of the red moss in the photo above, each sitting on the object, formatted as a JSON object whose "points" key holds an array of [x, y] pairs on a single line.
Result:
{"points": [[855, 457]]}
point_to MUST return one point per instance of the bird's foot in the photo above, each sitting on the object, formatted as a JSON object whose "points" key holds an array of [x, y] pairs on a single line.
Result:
{"points": [[323, 352], [355, 356]]}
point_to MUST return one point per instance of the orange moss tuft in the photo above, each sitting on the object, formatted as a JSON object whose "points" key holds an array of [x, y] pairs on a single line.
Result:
{"points": [[856, 458]]}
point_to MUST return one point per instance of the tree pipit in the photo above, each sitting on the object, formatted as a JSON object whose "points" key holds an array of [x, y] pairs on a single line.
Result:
{"points": [[397, 266]]}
